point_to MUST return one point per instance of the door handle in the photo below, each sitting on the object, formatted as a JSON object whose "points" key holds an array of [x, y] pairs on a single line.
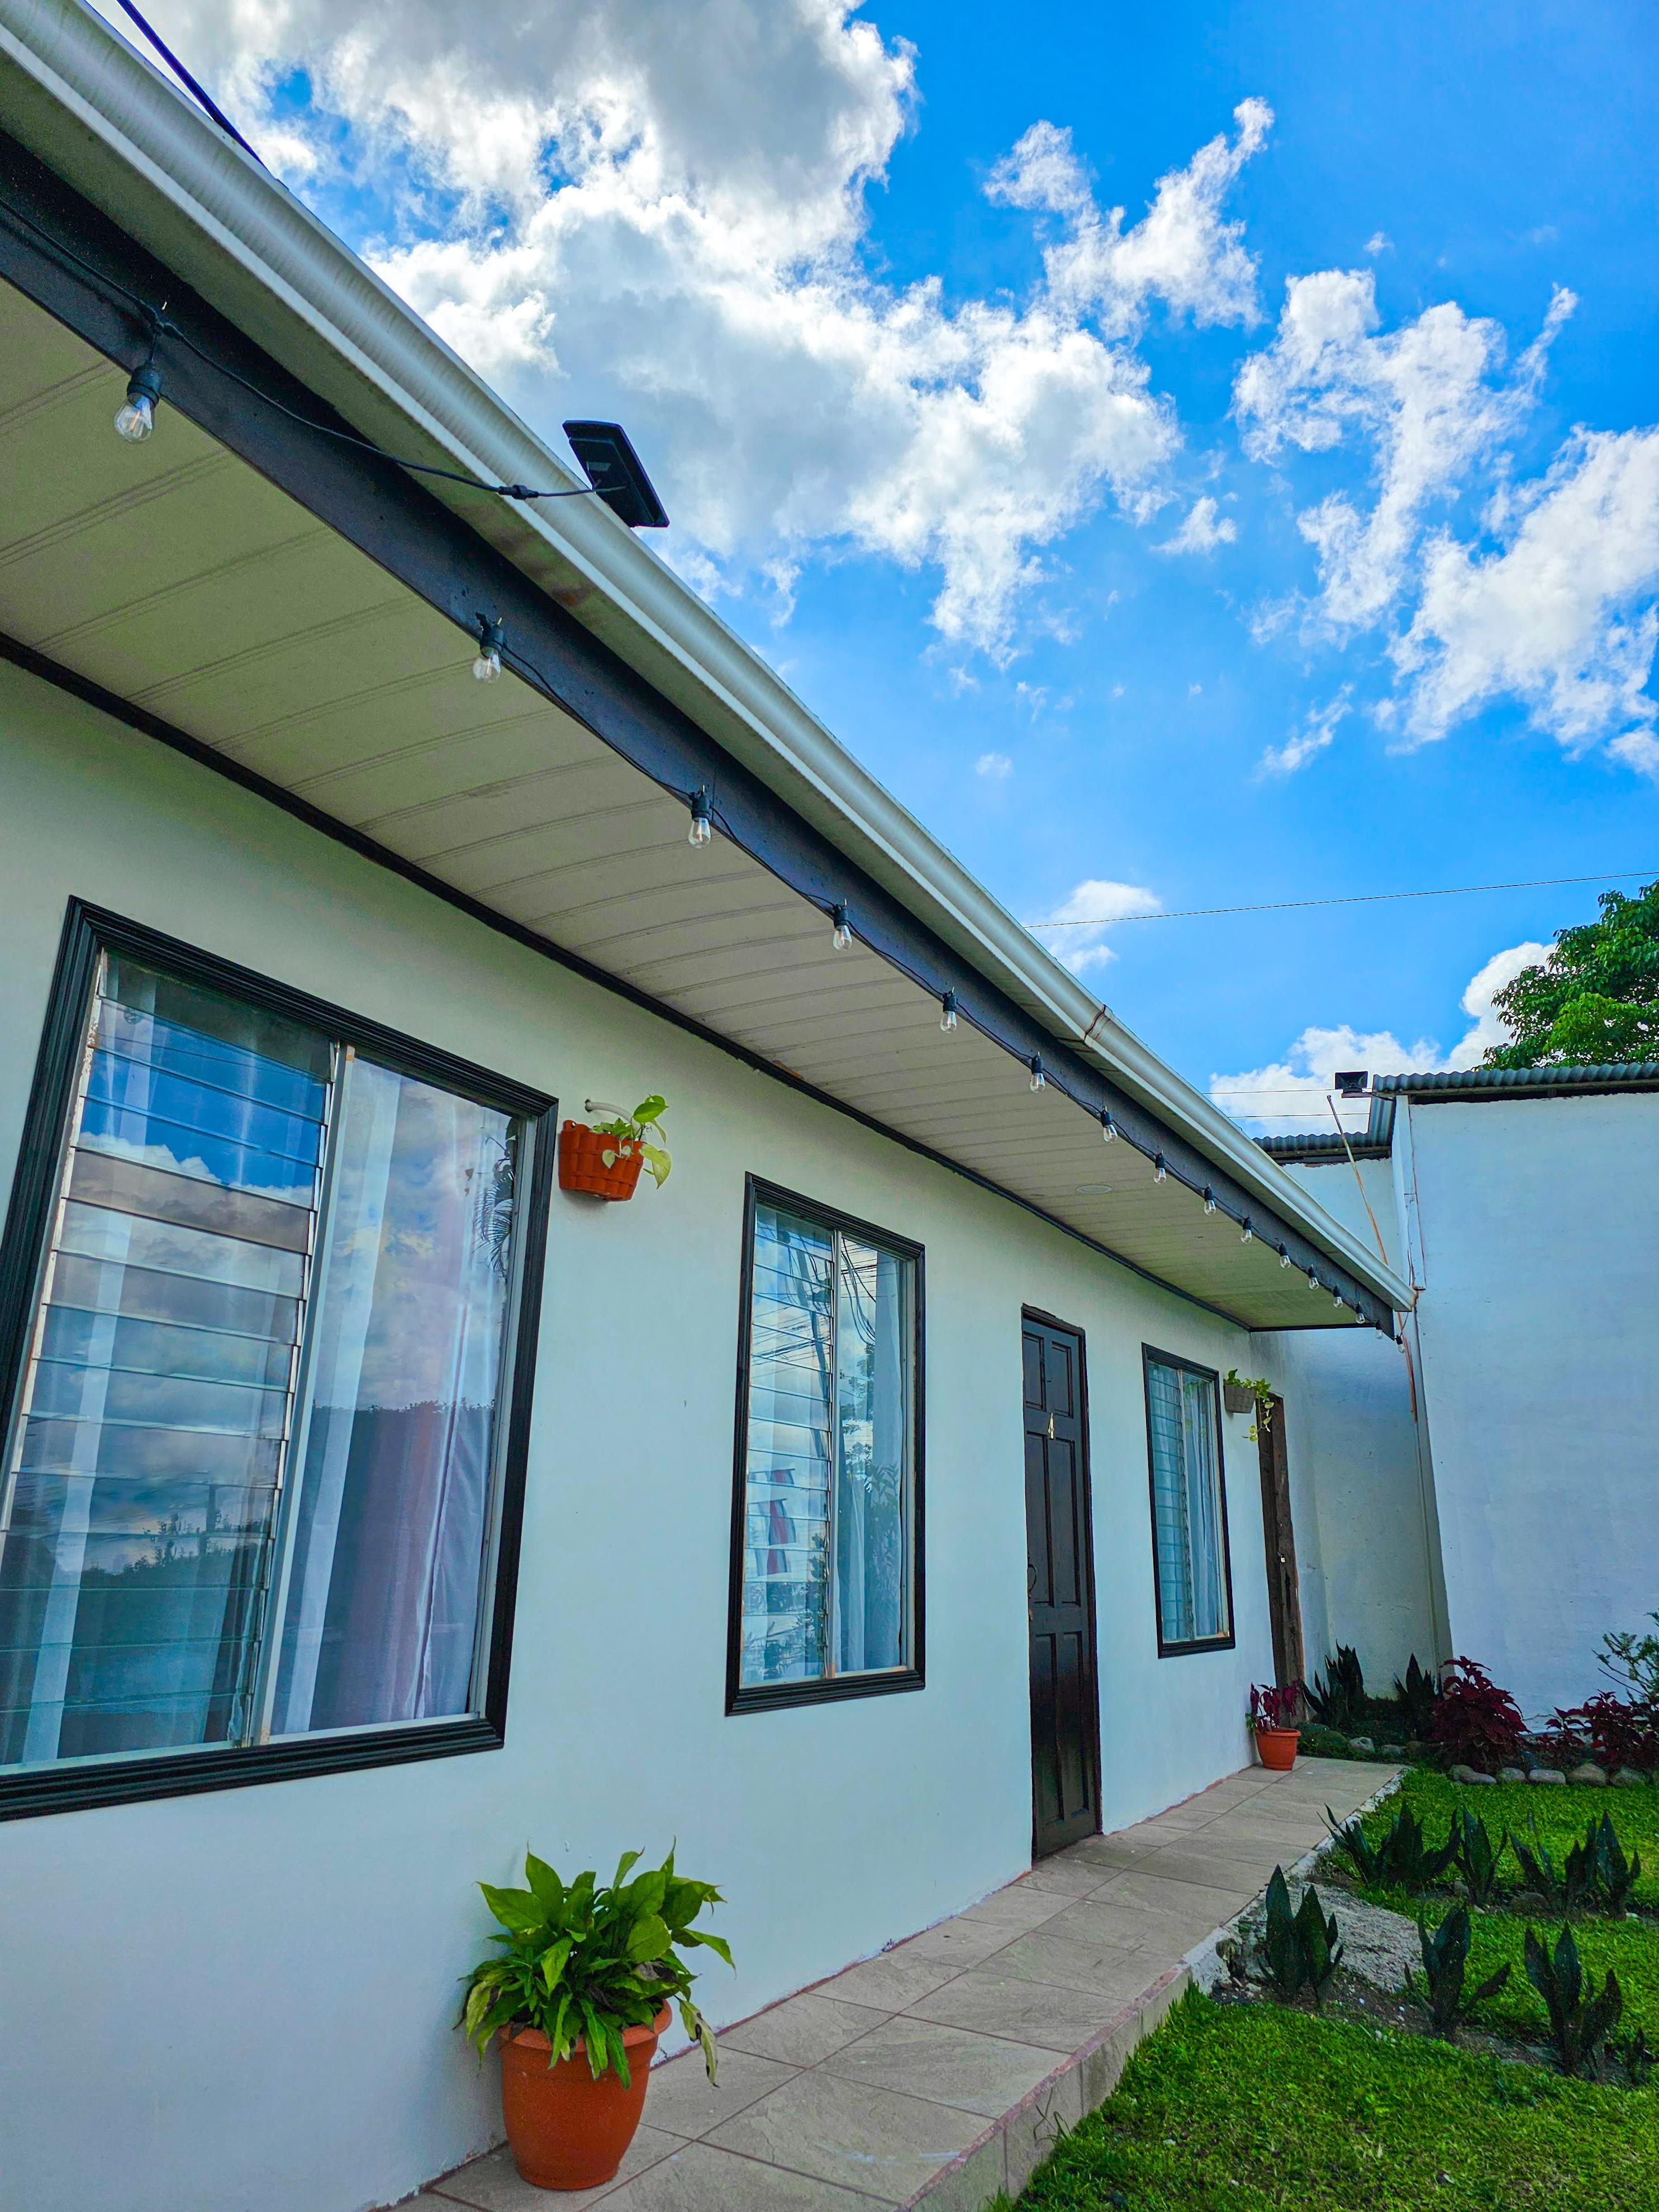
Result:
{"points": [[1051, 1426]]}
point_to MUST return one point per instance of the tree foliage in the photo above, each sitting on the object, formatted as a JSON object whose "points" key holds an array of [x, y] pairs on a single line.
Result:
{"points": [[1595, 999]]}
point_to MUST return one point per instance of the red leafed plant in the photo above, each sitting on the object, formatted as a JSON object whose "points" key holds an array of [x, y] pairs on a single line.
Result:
{"points": [[1475, 1723], [1273, 1708], [1618, 1731]]}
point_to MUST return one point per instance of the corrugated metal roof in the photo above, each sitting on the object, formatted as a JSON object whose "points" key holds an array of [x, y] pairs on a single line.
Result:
{"points": [[1523, 1082]]}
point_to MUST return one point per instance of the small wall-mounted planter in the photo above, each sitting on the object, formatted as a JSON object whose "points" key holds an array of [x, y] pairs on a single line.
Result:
{"points": [[597, 1163], [1235, 1397]]}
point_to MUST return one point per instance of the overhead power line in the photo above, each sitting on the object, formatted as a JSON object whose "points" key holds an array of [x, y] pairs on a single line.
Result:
{"points": [[1352, 898]]}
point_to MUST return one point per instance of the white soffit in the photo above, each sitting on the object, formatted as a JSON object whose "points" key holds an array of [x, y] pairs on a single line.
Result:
{"points": [[181, 580], [112, 125]]}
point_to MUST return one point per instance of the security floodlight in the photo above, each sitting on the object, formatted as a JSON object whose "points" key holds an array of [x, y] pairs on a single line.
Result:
{"points": [[1352, 1082], [617, 473]]}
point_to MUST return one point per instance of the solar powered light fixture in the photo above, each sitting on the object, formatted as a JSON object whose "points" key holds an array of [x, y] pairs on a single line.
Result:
{"points": [[617, 473], [1352, 1082]]}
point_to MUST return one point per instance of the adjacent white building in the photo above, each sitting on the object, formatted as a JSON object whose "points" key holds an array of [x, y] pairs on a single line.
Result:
{"points": [[858, 1509], [1503, 1500]]}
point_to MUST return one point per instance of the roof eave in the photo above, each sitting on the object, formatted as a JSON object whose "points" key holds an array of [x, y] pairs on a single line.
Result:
{"points": [[234, 231]]}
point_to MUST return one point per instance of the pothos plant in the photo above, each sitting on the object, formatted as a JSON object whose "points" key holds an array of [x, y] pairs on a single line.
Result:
{"points": [[629, 1132], [584, 1961], [1262, 1390]]}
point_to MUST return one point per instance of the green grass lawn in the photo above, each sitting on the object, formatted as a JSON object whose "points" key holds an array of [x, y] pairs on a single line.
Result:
{"points": [[1560, 1816], [1238, 2109]]}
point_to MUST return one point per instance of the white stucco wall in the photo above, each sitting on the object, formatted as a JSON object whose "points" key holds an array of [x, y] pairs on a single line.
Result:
{"points": [[1363, 1508], [1537, 1239], [243, 1999]]}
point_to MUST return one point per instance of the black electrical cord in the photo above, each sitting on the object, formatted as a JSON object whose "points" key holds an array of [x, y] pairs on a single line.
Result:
{"points": [[157, 325]]}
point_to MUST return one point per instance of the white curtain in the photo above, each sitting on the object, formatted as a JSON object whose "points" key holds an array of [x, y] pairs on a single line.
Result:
{"points": [[382, 1613]]}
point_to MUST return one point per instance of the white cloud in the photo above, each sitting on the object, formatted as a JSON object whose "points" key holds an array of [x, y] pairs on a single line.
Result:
{"points": [[662, 210], [995, 768], [1425, 398], [1202, 532], [1379, 242], [1291, 1093], [1181, 252], [1554, 619], [1309, 741], [1089, 911]]}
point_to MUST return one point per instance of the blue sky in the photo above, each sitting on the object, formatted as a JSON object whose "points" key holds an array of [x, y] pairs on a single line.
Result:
{"points": [[1405, 639]]}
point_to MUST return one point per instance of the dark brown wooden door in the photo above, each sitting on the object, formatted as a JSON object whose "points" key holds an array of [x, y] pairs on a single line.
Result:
{"points": [[1284, 1591], [1060, 1585]]}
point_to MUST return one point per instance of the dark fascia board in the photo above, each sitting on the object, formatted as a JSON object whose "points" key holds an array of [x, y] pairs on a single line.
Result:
{"points": [[74, 261], [1473, 1085]]}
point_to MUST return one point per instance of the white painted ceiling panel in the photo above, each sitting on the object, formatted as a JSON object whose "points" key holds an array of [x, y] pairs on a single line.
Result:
{"points": [[179, 579]]}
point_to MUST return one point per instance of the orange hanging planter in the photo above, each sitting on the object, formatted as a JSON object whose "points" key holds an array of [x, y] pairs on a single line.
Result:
{"points": [[593, 1161], [605, 1161]]}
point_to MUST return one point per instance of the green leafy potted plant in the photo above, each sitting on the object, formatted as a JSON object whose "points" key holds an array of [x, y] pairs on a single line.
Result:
{"points": [[1244, 1394], [1272, 1721], [578, 1993], [604, 1158]]}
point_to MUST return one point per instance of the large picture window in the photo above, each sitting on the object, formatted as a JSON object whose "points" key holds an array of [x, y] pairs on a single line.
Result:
{"points": [[1191, 1571], [262, 1464], [826, 1595]]}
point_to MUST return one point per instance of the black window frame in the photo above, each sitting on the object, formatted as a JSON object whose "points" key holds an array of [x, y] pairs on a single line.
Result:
{"points": [[89, 931], [768, 1696], [1149, 1353]]}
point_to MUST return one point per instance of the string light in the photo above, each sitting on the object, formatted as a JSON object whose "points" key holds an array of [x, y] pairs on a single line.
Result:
{"points": [[1108, 1126], [1312, 1280], [487, 662], [1337, 1298], [1159, 1170], [1209, 1200], [135, 419], [1038, 1077], [947, 1020], [701, 830], [1248, 1231], [842, 935], [1284, 1252]]}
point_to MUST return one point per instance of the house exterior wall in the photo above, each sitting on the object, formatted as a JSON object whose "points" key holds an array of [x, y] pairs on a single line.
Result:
{"points": [[261, 1982], [1535, 1224], [1360, 1497]]}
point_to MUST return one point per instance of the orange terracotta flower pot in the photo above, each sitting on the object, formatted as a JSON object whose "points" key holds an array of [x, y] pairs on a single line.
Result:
{"points": [[566, 2130], [1276, 1747], [582, 1163]]}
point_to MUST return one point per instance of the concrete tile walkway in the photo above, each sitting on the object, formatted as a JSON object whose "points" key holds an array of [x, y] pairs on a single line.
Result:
{"points": [[939, 2072]]}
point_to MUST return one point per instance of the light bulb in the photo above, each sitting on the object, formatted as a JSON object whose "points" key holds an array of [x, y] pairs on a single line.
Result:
{"points": [[1284, 1257], [1312, 1280], [842, 935], [1108, 1128], [136, 418], [1158, 1168], [1247, 1232], [1337, 1298], [487, 662], [1209, 1202], [701, 830], [947, 1020], [1038, 1078]]}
